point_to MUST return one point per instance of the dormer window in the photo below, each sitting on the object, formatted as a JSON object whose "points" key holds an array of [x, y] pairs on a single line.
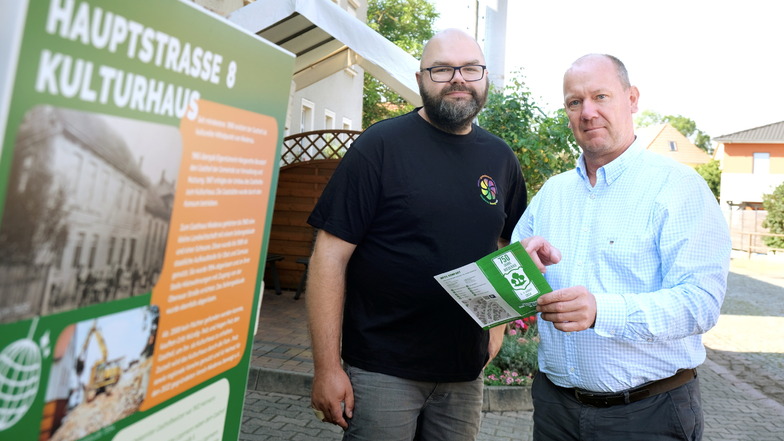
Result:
{"points": [[673, 146]]}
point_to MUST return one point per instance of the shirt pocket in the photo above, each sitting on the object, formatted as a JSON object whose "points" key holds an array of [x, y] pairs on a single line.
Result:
{"points": [[633, 256]]}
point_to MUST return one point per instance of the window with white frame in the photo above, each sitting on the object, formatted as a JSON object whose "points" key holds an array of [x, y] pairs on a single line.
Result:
{"points": [[673, 146], [761, 164], [346, 124], [306, 116], [93, 252], [329, 119], [77, 253]]}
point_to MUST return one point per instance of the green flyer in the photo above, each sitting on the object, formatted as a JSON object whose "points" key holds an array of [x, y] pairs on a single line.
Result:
{"points": [[498, 288]]}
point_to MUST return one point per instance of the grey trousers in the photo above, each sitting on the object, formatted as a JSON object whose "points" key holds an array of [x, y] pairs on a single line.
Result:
{"points": [[388, 408], [673, 415]]}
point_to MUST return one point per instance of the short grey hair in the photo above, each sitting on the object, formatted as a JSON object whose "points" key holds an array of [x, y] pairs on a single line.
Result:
{"points": [[623, 74]]}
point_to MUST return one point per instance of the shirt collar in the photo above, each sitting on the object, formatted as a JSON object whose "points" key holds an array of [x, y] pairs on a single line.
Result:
{"points": [[611, 172]]}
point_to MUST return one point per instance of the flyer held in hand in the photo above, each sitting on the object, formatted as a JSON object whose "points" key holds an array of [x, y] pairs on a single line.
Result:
{"points": [[498, 288]]}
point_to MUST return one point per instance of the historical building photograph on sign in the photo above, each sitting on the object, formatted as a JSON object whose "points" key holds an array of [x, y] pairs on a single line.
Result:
{"points": [[87, 210]]}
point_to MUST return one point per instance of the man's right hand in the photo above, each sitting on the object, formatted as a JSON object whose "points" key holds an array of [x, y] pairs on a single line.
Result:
{"points": [[332, 394], [541, 251]]}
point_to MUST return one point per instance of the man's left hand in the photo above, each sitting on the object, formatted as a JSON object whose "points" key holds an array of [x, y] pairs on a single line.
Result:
{"points": [[569, 309]]}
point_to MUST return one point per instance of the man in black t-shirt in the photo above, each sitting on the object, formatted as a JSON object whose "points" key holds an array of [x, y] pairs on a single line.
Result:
{"points": [[414, 196]]}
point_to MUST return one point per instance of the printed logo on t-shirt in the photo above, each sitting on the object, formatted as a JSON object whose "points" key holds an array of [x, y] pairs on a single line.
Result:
{"points": [[488, 190]]}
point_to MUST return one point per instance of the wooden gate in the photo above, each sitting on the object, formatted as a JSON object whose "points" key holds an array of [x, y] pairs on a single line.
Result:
{"points": [[299, 187], [307, 162]]}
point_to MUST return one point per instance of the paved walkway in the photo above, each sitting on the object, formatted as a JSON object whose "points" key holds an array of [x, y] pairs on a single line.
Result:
{"points": [[742, 380]]}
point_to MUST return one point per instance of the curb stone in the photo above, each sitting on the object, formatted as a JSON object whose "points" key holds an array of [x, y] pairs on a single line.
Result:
{"points": [[507, 398], [496, 398], [280, 382]]}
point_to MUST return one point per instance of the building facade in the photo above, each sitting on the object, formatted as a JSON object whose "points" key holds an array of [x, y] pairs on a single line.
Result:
{"points": [[752, 164], [334, 101]]}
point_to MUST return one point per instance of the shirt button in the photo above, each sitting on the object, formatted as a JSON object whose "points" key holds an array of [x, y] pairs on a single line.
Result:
{"points": [[571, 370], [593, 196]]}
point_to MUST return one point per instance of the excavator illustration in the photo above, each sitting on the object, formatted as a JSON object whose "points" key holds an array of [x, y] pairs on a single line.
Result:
{"points": [[104, 374]]}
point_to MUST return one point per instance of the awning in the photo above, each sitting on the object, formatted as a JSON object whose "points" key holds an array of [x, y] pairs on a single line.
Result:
{"points": [[327, 39]]}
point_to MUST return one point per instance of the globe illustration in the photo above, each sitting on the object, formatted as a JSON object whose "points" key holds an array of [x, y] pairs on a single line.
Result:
{"points": [[20, 375]]}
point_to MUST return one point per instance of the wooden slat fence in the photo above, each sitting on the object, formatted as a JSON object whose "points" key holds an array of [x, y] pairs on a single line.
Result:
{"points": [[746, 230], [299, 187]]}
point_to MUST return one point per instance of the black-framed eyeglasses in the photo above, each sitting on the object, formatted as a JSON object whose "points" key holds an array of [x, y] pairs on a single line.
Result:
{"points": [[444, 74]]}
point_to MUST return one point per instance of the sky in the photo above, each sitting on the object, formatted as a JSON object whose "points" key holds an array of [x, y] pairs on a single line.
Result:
{"points": [[716, 62], [159, 145]]}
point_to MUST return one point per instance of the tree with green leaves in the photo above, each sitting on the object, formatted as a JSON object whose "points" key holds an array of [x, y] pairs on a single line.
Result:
{"points": [[543, 144], [408, 24], [712, 174], [686, 126], [774, 204]]}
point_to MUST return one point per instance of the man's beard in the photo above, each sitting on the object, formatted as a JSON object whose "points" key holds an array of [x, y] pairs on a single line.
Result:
{"points": [[450, 115]]}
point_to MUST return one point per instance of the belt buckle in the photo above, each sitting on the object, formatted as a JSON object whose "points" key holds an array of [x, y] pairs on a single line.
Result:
{"points": [[602, 399]]}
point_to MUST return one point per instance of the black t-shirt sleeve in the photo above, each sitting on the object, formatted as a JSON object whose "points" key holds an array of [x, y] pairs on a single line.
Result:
{"points": [[348, 204]]}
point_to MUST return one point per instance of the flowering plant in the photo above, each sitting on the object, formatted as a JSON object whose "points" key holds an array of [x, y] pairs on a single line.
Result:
{"points": [[516, 362]]}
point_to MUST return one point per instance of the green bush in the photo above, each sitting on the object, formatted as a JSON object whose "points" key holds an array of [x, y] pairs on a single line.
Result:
{"points": [[712, 175], [774, 204], [543, 144]]}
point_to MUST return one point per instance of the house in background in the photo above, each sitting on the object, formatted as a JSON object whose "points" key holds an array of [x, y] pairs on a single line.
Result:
{"points": [[666, 140], [752, 164]]}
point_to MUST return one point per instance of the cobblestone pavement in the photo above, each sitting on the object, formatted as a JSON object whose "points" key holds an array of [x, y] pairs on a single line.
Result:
{"points": [[749, 339], [742, 380]]}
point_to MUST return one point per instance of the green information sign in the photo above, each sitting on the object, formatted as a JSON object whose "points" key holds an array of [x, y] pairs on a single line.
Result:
{"points": [[139, 161]]}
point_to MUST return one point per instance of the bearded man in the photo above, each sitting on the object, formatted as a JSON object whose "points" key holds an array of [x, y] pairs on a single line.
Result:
{"points": [[395, 357]]}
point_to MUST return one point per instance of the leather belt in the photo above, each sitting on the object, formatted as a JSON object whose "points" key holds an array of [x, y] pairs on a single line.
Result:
{"points": [[607, 399]]}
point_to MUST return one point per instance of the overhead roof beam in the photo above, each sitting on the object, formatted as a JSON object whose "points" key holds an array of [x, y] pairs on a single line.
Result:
{"points": [[289, 21], [294, 35]]}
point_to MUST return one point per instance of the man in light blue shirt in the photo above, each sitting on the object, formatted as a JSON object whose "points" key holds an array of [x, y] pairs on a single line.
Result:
{"points": [[643, 270]]}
